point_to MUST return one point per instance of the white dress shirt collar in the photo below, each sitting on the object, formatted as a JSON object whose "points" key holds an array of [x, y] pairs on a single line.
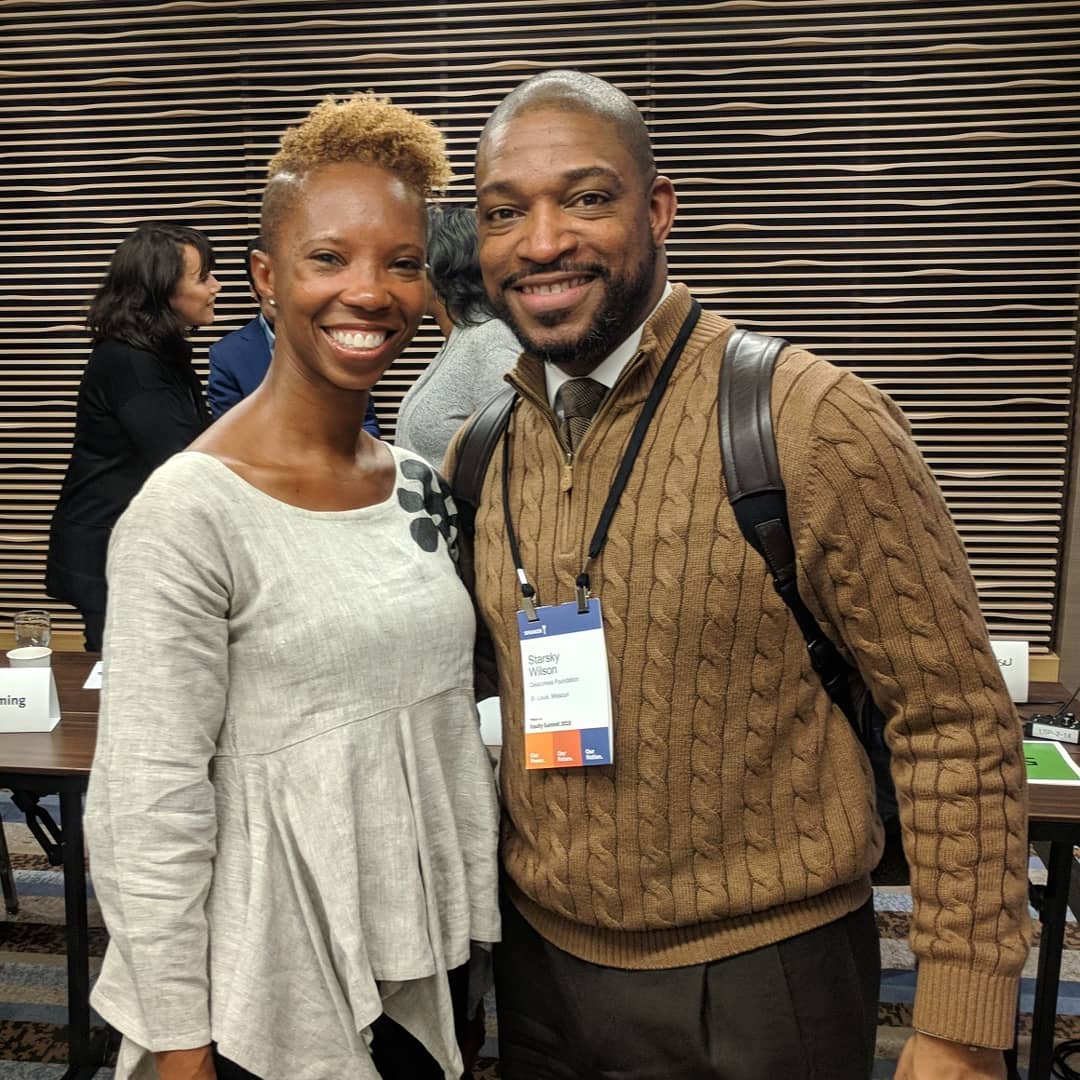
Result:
{"points": [[611, 367], [268, 330]]}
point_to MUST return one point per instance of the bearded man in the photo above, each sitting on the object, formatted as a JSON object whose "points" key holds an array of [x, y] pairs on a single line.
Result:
{"points": [[687, 893]]}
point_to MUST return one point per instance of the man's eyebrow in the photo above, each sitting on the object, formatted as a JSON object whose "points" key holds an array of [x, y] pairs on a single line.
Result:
{"points": [[571, 176], [586, 172], [495, 187]]}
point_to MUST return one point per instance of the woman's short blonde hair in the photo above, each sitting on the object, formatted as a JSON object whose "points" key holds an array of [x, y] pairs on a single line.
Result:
{"points": [[366, 128]]}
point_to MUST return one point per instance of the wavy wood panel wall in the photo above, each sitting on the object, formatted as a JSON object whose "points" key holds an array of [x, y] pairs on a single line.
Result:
{"points": [[894, 184]]}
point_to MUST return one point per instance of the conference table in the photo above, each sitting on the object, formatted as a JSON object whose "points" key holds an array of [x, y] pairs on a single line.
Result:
{"points": [[58, 762], [1054, 818]]}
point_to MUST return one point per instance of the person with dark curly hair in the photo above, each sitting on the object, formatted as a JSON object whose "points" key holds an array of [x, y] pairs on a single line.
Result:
{"points": [[292, 821], [140, 400], [479, 348]]}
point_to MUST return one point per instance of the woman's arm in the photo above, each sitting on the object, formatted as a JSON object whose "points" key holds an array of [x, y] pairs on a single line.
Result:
{"points": [[151, 824], [186, 1064]]}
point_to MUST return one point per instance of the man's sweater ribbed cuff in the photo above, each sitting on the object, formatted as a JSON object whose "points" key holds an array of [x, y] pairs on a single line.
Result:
{"points": [[965, 1006]]}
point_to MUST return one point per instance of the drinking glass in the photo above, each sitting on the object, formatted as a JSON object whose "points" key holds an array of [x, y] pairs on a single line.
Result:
{"points": [[32, 627]]}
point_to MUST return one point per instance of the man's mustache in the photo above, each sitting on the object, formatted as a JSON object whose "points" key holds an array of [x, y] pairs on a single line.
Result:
{"points": [[590, 269]]}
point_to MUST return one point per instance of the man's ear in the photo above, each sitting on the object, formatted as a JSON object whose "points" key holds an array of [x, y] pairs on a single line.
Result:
{"points": [[262, 273], [662, 207]]}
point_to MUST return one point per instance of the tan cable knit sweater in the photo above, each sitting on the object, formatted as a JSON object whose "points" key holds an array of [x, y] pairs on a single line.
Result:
{"points": [[739, 810]]}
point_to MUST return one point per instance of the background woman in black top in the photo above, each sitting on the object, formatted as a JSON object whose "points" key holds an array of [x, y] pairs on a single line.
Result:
{"points": [[140, 400]]}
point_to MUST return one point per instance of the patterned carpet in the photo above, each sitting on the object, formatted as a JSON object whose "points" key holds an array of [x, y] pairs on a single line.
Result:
{"points": [[33, 987]]}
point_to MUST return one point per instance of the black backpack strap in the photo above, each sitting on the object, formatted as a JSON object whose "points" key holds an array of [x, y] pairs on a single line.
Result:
{"points": [[756, 493], [748, 448], [475, 446]]}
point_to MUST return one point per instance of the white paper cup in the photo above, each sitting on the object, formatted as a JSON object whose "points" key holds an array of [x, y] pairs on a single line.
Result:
{"points": [[30, 656]]}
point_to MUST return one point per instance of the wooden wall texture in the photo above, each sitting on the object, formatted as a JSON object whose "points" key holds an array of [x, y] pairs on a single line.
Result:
{"points": [[893, 184]]}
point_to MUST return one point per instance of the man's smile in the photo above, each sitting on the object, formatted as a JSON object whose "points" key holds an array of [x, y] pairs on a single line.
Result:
{"points": [[549, 288]]}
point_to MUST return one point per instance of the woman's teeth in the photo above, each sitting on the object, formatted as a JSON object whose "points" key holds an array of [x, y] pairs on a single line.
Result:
{"points": [[357, 339]]}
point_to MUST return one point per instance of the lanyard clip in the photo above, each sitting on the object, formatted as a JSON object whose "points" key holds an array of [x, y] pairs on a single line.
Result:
{"points": [[529, 605], [581, 589], [528, 597]]}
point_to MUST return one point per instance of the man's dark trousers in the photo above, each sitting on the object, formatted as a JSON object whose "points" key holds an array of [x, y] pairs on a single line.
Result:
{"points": [[804, 1009]]}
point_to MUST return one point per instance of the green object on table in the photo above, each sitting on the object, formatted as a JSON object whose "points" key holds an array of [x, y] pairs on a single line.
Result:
{"points": [[1046, 761]]}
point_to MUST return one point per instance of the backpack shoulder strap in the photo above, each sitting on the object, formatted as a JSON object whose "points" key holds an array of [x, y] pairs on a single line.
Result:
{"points": [[746, 429], [474, 449], [748, 448], [757, 495]]}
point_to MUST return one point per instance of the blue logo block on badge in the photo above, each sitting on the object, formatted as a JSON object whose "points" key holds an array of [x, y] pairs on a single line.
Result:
{"points": [[595, 746]]}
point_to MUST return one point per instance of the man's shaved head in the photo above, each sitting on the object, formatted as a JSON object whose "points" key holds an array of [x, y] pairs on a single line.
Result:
{"points": [[574, 91]]}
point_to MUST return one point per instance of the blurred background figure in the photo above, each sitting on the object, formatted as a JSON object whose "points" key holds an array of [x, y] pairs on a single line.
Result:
{"points": [[140, 400], [479, 348], [240, 360]]}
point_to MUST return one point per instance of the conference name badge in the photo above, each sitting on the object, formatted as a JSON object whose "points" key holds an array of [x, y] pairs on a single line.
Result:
{"points": [[567, 687]]}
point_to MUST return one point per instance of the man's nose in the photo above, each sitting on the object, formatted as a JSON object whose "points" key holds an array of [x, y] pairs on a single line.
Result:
{"points": [[547, 236]]}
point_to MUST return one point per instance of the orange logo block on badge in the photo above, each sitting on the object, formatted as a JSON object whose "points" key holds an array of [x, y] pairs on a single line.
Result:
{"points": [[539, 752], [567, 747]]}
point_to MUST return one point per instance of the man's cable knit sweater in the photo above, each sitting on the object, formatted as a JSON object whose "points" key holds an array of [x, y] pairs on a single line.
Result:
{"points": [[739, 810]]}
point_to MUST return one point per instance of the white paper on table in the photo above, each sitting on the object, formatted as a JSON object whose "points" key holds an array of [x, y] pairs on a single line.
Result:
{"points": [[28, 700], [1012, 658], [93, 680], [490, 721]]}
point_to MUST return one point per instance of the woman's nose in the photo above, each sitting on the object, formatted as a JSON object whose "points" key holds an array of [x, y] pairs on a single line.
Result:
{"points": [[367, 290]]}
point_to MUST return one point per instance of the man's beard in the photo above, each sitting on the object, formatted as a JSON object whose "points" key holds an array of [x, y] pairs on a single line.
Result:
{"points": [[623, 304]]}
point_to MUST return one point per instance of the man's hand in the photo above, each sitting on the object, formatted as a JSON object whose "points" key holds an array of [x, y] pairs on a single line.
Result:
{"points": [[195, 1064], [925, 1057]]}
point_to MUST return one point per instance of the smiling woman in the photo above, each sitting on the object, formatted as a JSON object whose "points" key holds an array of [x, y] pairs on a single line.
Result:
{"points": [[345, 269], [305, 848]]}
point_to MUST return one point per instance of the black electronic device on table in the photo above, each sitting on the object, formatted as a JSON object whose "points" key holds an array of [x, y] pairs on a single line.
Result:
{"points": [[1061, 726]]}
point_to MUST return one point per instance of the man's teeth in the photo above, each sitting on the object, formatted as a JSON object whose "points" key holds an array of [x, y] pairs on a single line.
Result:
{"points": [[356, 339], [556, 287]]}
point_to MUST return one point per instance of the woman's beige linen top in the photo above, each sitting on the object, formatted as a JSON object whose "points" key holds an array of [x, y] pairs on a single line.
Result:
{"points": [[291, 817]]}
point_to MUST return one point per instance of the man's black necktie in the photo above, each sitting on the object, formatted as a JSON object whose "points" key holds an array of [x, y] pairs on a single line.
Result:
{"points": [[578, 400]]}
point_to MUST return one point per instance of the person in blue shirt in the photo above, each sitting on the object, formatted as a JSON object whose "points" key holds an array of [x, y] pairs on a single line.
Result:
{"points": [[239, 361]]}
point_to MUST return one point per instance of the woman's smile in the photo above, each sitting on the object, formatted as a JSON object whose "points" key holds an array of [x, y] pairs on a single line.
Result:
{"points": [[356, 340]]}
